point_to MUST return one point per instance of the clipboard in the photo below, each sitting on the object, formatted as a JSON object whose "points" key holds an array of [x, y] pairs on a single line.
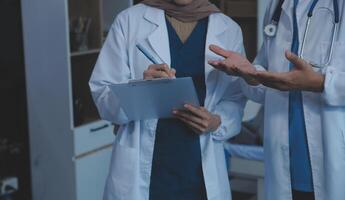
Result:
{"points": [[154, 99]]}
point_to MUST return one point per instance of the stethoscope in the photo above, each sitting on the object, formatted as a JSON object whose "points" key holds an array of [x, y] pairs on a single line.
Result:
{"points": [[271, 29]]}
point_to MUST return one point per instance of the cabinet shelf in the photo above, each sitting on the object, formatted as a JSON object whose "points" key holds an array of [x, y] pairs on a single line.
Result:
{"points": [[87, 52], [84, 109], [84, 13]]}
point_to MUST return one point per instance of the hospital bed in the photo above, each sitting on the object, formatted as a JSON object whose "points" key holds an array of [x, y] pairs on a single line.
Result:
{"points": [[246, 156], [246, 169]]}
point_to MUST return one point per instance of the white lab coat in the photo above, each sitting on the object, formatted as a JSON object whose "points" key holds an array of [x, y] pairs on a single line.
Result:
{"points": [[120, 61], [324, 112]]}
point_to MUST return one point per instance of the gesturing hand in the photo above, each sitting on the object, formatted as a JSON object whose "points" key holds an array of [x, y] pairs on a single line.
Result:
{"points": [[234, 64], [301, 77], [198, 119], [159, 71]]}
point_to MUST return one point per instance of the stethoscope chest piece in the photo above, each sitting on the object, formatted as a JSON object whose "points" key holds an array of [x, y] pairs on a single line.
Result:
{"points": [[270, 30]]}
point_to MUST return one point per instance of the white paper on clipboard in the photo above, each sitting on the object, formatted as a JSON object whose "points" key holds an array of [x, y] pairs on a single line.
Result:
{"points": [[154, 99]]}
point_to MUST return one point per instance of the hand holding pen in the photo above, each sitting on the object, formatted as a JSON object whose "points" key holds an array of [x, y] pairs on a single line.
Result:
{"points": [[156, 70], [159, 71]]}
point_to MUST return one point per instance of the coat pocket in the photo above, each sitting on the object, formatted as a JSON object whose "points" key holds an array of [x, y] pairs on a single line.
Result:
{"points": [[338, 56], [122, 170]]}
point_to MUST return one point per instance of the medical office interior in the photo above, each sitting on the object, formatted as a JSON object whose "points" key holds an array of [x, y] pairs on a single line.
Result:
{"points": [[53, 144]]}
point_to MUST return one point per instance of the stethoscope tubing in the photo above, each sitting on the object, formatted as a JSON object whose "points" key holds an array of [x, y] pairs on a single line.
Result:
{"points": [[277, 13], [270, 29]]}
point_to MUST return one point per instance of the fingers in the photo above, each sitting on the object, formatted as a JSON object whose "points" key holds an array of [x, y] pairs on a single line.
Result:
{"points": [[225, 66], [218, 65], [196, 117], [220, 51], [229, 68], [233, 63], [173, 72], [198, 125], [215, 63], [190, 117], [194, 126], [159, 74], [198, 111], [159, 71], [161, 67], [297, 61]]}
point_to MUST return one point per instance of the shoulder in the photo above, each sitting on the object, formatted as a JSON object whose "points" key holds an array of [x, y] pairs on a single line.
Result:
{"points": [[226, 20], [231, 30], [132, 13]]}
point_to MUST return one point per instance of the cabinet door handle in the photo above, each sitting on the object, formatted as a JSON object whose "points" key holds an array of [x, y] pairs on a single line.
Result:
{"points": [[99, 128]]}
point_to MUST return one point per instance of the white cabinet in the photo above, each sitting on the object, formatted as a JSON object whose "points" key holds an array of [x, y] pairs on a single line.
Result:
{"points": [[92, 136], [69, 145], [91, 175]]}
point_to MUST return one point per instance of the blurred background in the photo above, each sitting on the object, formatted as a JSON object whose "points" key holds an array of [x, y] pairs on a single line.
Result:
{"points": [[53, 145]]}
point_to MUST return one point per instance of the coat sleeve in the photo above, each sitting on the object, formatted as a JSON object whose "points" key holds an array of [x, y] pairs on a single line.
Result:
{"points": [[257, 93], [230, 109], [111, 68], [232, 102], [334, 88], [254, 93]]}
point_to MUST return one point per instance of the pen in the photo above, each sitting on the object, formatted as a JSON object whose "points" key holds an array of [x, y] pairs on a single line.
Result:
{"points": [[147, 54]]}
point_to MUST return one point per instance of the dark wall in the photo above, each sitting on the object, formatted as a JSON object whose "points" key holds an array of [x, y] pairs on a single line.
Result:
{"points": [[14, 151]]}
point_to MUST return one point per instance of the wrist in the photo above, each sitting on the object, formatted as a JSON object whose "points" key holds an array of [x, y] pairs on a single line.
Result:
{"points": [[249, 77], [216, 121], [252, 81], [318, 83]]}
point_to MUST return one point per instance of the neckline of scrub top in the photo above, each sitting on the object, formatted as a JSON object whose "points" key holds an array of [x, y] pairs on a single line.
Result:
{"points": [[181, 44]]}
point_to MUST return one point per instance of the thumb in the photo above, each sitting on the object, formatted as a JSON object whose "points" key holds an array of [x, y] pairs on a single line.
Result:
{"points": [[295, 60], [220, 51], [173, 72]]}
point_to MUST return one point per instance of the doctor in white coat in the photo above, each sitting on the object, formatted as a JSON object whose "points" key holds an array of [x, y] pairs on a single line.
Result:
{"points": [[133, 149], [304, 100]]}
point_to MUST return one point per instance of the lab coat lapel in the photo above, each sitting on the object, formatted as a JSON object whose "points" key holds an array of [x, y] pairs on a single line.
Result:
{"points": [[158, 40], [287, 9], [215, 36]]}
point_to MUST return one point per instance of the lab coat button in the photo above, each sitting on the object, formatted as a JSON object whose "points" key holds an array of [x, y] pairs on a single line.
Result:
{"points": [[285, 148]]}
